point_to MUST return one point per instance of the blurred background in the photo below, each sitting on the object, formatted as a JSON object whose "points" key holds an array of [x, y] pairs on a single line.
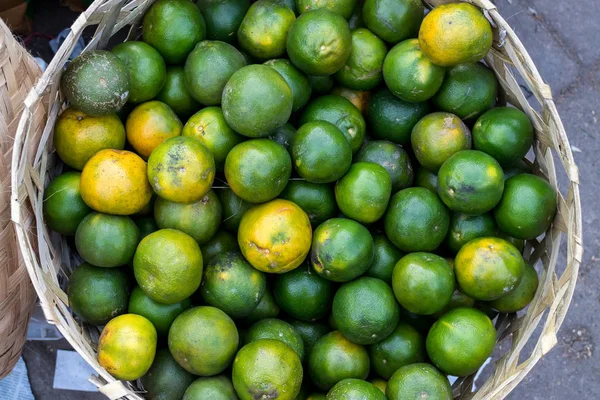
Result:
{"points": [[561, 37]]}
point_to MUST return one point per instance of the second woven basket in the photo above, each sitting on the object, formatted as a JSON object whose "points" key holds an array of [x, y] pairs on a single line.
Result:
{"points": [[18, 73]]}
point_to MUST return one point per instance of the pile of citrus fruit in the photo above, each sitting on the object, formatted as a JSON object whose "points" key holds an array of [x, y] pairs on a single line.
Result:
{"points": [[296, 200]]}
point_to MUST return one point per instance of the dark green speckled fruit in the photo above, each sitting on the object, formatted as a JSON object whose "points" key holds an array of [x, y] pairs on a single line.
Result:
{"points": [[97, 83]]}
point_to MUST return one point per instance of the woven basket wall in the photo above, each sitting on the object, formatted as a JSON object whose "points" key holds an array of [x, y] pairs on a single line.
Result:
{"points": [[18, 73], [46, 255]]}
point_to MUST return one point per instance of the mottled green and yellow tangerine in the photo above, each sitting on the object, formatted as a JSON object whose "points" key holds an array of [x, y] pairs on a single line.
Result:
{"points": [[264, 29], [320, 152], [488, 268], [107, 240], [168, 265], [335, 358], [409, 74], [208, 68], [416, 220], [149, 125], [363, 70], [468, 90], [181, 169], [275, 237], [360, 98], [267, 368], [319, 42], [418, 381], [364, 192], [423, 283], [455, 33], [342, 249], [438, 136], [203, 340], [365, 310], [258, 170], [114, 182], [78, 136], [199, 219], [470, 182], [97, 294], [527, 207], [460, 341], [173, 27], [256, 100], [127, 346], [232, 285], [379, 384], [63, 206]]}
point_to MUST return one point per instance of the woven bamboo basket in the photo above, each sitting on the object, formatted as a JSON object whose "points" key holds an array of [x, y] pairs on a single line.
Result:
{"points": [[48, 260], [18, 73]]}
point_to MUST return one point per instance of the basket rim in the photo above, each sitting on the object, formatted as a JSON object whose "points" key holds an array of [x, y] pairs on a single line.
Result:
{"points": [[560, 301]]}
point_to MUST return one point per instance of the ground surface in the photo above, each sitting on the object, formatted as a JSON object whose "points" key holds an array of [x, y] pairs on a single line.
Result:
{"points": [[561, 37]]}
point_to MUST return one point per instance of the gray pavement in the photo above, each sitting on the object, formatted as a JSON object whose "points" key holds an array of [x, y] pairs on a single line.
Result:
{"points": [[562, 38]]}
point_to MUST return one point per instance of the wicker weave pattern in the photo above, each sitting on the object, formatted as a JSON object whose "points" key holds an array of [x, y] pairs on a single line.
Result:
{"points": [[18, 73], [45, 254]]}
